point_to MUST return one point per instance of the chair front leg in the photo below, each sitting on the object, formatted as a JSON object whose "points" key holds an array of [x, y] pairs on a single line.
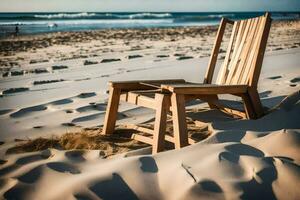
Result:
{"points": [[111, 110], [160, 123], [179, 120]]}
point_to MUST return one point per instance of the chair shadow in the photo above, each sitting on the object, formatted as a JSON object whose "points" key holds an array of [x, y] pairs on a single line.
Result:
{"points": [[236, 128]]}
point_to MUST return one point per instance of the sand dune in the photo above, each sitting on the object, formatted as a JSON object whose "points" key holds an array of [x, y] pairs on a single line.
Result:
{"points": [[244, 166]]}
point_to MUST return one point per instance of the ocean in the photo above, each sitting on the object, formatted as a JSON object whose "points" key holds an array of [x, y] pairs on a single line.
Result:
{"points": [[34, 23]]}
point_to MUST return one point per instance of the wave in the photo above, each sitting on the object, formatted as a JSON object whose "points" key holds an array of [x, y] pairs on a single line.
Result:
{"points": [[85, 22], [66, 15], [85, 15]]}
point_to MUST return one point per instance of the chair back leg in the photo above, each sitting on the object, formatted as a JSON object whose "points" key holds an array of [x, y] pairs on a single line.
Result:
{"points": [[160, 123], [250, 113], [111, 111], [179, 120], [257, 106]]}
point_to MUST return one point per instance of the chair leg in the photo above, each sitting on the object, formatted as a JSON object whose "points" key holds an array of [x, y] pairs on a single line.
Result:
{"points": [[257, 106], [111, 111], [160, 123], [179, 120], [248, 105], [211, 99]]}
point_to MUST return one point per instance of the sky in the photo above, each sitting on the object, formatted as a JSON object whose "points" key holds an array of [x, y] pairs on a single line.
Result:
{"points": [[147, 5]]}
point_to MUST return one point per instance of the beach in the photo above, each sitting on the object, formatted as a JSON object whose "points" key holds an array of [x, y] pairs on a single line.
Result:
{"points": [[54, 87]]}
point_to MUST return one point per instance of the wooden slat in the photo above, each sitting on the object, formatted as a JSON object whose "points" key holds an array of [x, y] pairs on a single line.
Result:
{"points": [[230, 111], [157, 84], [234, 62], [253, 53], [206, 89], [139, 128], [142, 138], [254, 74], [250, 54], [245, 53], [139, 100], [168, 138], [172, 140], [235, 48], [214, 55], [224, 69]]}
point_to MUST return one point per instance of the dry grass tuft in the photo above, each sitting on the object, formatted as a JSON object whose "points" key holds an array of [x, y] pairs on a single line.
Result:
{"points": [[87, 139], [91, 139]]}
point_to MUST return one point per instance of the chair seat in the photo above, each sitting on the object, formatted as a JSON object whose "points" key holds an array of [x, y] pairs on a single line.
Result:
{"points": [[145, 98]]}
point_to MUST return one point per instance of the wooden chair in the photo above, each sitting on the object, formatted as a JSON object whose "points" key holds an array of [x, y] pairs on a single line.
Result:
{"points": [[237, 76]]}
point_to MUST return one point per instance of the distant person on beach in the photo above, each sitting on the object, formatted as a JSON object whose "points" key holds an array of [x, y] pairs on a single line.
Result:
{"points": [[17, 30]]}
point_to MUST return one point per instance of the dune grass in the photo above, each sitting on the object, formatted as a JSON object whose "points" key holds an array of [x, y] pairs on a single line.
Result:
{"points": [[92, 139]]}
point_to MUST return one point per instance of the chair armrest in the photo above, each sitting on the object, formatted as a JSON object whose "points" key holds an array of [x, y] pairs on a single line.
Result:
{"points": [[140, 84], [205, 89]]}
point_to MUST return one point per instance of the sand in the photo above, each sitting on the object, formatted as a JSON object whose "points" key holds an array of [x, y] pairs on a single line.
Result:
{"points": [[54, 86]]}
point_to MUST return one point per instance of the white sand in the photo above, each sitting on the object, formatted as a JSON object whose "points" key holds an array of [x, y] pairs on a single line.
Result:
{"points": [[242, 159]]}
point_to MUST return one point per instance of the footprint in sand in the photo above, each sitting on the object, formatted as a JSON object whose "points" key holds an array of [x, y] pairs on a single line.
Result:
{"points": [[63, 167], [33, 158], [87, 118], [93, 107], [110, 60], [274, 77], [47, 81], [32, 176], [2, 161], [86, 95], [70, 124], [162, 56], [134, 56], [5, 111], [26, 111], [89, 62], [15, 90], [243, 149], [59, 67], [184, 57], [61, 102], [69, 111], [228, 156], [76, 155], [39, 71], [38, 127], [265, 94], [294, 81], [18, 191]]}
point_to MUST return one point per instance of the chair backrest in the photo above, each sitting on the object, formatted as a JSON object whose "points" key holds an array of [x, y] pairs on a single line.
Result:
{"points": [[245, 52]]}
